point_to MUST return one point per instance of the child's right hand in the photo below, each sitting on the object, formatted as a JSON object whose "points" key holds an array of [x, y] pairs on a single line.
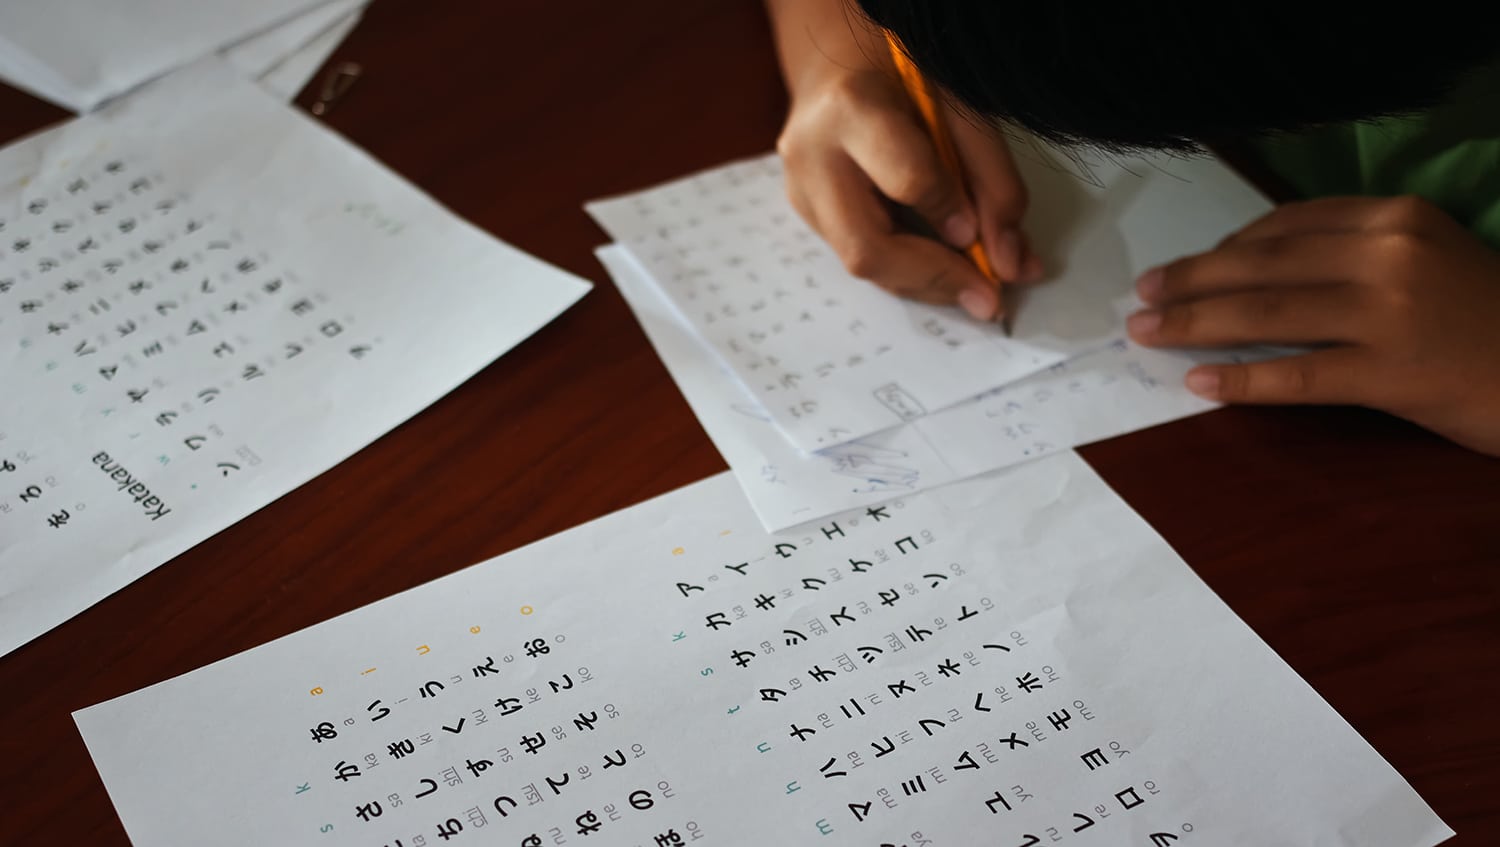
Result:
{"points": [[852, 135]]}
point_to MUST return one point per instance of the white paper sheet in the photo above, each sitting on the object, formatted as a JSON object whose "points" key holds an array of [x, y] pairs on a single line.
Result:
{"points": [[286, 79], [80, 53], [261, 53], [833, 359], [1016, 660], [205, 300], [1094, 396]]}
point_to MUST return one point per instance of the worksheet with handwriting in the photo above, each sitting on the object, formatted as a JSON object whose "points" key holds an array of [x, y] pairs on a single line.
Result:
{"points": [[1015, 659], [205, 300], [832, 359], [1118, 389]]}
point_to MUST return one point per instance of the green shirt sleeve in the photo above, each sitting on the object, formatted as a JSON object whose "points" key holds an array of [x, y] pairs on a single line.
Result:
{"points": [[1449, 155]]}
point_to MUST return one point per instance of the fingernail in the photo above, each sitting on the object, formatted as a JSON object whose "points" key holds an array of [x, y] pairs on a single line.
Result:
{"points": [[1203, 383], [1143, 323], [1149, 286], [979, 303], [960, 229]]}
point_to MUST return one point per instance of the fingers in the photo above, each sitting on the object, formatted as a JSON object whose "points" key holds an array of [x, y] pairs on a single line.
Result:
{"points": [[851, 217], [848, 151], [1329, 214], [1326, 376], [900, 159], [1337, 214], [999, 197], [1292, 260], [1273, 315]]}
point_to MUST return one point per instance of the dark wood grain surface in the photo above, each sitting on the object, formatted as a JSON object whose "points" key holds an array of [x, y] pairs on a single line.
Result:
{"points": [[1365, 551]]}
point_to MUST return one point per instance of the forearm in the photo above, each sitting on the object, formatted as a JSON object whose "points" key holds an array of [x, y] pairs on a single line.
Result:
{"points": [[816, 38]]}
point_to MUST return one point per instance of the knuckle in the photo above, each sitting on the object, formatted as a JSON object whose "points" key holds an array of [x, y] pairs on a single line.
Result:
{"points": [[1174, 278], [1265, 252], [852, 89], [1409, 211], [786, 145], [1179, 322], [1181, 277], [861, 259], [916, 185], [1266, 308], [1234, 382], [1397, 255], [1298, 377]]}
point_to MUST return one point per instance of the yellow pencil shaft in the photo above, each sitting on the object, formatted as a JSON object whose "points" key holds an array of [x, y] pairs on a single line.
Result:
{"points": [[937, 128]]}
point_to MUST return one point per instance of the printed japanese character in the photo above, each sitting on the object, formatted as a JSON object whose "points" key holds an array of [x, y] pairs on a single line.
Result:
{"points": [[368, 810]]}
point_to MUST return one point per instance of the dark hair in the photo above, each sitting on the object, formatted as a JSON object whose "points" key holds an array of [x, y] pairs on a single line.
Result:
{"points": [[1159, 74]]}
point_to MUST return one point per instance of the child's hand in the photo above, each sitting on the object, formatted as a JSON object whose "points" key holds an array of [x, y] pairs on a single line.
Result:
{"points": [[1403, 302], [852, 135]]}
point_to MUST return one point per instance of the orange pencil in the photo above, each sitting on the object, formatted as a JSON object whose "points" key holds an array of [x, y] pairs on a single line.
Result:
{"points": [[921, 96]]}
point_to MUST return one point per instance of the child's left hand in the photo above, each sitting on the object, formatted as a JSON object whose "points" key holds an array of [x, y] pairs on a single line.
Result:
{"points": [[1402, 302]]}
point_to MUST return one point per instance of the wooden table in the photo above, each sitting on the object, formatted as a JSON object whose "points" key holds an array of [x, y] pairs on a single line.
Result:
{"points": [[1366, 552]]}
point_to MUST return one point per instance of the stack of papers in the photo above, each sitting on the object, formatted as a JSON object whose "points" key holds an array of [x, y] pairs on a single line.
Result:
{"points": [[207, 298], [826, 393], [81, 53]]}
